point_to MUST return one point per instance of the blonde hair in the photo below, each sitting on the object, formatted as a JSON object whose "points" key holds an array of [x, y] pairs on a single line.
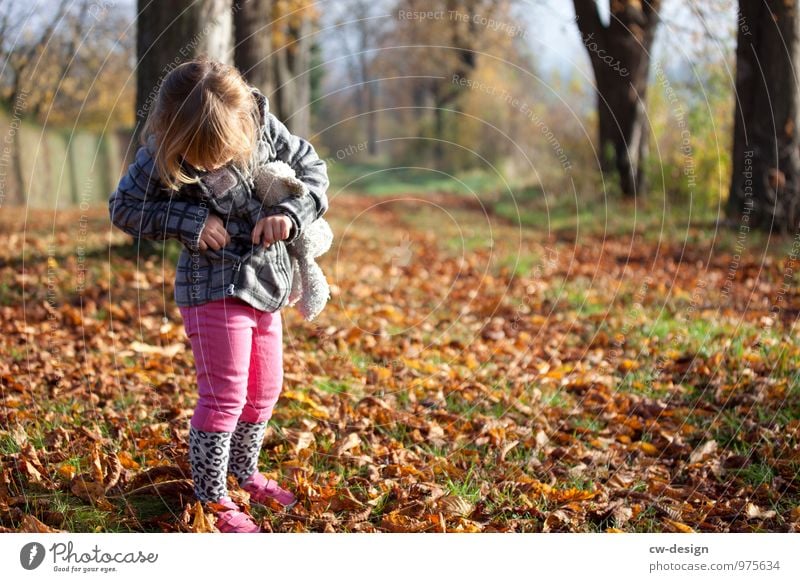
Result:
{"points": [[204, 112]]}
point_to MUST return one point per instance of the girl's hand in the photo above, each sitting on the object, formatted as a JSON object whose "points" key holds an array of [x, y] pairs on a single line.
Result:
{"points": [[214, 235], [272, 228]]}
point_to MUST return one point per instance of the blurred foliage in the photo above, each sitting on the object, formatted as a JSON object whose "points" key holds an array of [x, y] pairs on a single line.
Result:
{"points": [[68, 64], [692, 121]]}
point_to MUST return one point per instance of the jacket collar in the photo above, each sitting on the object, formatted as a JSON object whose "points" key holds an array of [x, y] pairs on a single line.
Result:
{"points": [[263, 116], [263, 104], [151, 144]]}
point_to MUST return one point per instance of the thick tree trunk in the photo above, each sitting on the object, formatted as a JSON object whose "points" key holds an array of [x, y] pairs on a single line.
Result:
{"points": [[168, 34], [252, 21], [623, 133], [293, 80], [620, 57], [765, 185]]}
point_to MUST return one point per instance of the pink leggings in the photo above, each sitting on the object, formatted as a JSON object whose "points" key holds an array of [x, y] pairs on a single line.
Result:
{"points": [[238, 353]]}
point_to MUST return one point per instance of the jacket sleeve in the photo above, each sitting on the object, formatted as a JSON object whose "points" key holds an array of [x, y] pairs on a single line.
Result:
{"points": [[141, 207], [308, 167]]}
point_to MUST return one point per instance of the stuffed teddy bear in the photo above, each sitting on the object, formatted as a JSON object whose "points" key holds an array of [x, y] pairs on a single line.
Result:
{"points": [[225, 190], [272, 183]]}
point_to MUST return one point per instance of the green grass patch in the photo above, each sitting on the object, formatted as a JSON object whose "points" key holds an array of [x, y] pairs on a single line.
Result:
{"points": [[380, 180]]}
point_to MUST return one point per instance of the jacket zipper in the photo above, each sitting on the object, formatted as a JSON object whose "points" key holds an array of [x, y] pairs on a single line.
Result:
{"points": [[236, 268], [286, 277], [238, 265]]}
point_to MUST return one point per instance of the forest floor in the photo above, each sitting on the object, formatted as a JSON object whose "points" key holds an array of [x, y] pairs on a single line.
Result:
{"points": [[469, 373]]}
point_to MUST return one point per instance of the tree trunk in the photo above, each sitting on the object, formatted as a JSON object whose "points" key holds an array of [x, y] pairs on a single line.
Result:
{"points": [[623, 132], [168, 35], [367, 88], [372, 119], [293, 81], [765, 185], [439, 141], [18, 97], [252, 21], [620, 57]]}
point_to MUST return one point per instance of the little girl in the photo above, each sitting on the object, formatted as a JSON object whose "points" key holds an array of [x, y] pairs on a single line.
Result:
{"points": [[234, 273]]}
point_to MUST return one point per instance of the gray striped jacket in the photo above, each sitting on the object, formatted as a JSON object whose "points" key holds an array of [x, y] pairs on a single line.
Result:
{"points": [[261, 276]]}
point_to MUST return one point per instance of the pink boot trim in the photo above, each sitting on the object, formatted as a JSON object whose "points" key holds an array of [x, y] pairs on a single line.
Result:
{"points": [[231, 519], [260, 489]]}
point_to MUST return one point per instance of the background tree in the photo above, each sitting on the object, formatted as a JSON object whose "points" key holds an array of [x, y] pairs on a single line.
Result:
{"points": [[252, 52], [65, 60], [439, 58], [26, 35], [620, 57], [765, 184], [293, 35], [358, 28], [169, 34]]}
